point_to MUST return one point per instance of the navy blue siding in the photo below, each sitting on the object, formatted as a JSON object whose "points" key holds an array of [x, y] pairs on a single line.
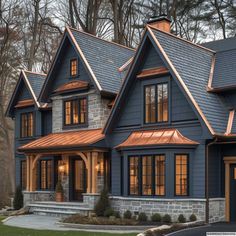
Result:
{"points": [[24, 92], [47, 122]]}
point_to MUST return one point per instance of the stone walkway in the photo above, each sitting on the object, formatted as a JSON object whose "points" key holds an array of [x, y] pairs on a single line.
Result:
{"points": [[39, 222]]}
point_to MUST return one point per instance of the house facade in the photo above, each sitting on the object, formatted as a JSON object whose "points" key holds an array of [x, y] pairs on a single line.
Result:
{"points": [[156, 125]]}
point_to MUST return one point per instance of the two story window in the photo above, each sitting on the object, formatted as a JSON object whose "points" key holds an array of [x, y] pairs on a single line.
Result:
{"points": [[46, 174], [75, 112], [147, 175], [156, 103], [27, 125]]}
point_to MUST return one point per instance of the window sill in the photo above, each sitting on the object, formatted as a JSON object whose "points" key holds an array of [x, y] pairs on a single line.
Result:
{"points": [[67, 127]]}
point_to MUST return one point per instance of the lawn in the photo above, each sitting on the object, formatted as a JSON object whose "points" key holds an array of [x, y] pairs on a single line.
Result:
{"points": [[13, 231]]}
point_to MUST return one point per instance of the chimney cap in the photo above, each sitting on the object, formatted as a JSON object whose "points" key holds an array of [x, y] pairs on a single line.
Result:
{"points": [[158, 18]]}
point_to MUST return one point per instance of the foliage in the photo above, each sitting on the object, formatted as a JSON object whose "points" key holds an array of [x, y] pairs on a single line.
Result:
{"points": [[142, 217], [103, 203], [156, 217], [18, 199], [109, 212], [59, 188], [166, 218], [127, 214], [181, 218], [192, 218], [117, 214]]}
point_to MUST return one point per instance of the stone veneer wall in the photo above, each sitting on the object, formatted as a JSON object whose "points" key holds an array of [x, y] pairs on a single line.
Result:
{"points": [[38, 196], [217, 209], [98, 111]]}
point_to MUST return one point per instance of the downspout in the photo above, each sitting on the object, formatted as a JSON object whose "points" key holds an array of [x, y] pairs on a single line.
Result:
{"points": [[206, 179]]}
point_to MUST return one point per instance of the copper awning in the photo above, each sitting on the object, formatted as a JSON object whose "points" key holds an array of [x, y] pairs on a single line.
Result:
{"points": [[153, 71], [25, 103], [155, 138], [64, 140], [73, 85]]}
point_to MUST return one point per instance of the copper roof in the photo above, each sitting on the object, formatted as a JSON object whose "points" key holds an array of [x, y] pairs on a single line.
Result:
{"points": [[153, 71], [156, 137], [25, 103], [78, 84], [70, 139]]}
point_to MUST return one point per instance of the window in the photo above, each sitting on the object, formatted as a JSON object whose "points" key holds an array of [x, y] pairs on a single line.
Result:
{"points": [[23, 174], [134, 175], [181, 175], [46, 172], [73, 67], [150, 180], [160, 175], [75, 112], [27, 126], [156, 103]]}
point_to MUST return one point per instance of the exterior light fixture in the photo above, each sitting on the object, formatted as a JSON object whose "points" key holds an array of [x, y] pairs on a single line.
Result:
{"points": [[62, 168]]}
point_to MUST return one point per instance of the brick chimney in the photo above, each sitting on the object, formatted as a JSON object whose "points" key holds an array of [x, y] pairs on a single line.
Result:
{"points": [[160, 22]]}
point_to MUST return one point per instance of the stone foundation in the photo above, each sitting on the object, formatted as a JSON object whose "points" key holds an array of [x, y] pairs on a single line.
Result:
{"points": [[38, 196], [90, 199], [217, 209]]}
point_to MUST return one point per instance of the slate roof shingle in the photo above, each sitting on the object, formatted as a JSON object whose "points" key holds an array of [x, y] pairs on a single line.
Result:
{"points": [[104, 59], [221, 45]]}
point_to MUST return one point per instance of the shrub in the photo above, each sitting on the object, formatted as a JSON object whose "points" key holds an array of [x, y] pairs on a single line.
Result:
{"points": [[108, 212], [18, 199], [59, 188], [102, 204], [181, 218], [166, 218], [127, 214], [192, 217], [156, 217], [117, 214], [142, 217]]}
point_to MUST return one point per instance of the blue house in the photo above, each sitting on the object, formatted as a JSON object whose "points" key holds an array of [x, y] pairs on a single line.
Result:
{"points": [[156, 126]]}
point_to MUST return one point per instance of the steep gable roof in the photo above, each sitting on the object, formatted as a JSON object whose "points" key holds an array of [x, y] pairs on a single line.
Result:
{"points": [[33, 82], [221, 45], [191, 65], [101, 58]]}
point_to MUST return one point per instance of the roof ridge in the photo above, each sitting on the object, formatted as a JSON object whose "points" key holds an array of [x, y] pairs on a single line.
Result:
{"points": [[37, 73], [91, 35], [185, 40]]}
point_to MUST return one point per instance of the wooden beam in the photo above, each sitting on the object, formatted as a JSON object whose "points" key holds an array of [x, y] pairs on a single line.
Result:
{"points": [[94, 172], [153, 71]]}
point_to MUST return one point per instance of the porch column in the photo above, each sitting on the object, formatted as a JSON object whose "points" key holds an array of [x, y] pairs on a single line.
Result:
{"points": [[28, 173], [89, 171], [94, 172]]}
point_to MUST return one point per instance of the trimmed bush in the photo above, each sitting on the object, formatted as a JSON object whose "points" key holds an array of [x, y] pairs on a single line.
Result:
{"points": [[181, 218], [18, 199], [166, 218], [108, 212], [192, 218], [117, 214], [127, 214], [142, 217], [156, 217], [102, 204]]}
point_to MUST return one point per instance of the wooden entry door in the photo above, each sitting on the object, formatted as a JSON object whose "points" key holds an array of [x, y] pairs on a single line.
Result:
{"points": [[78, 179], [233, 192]]}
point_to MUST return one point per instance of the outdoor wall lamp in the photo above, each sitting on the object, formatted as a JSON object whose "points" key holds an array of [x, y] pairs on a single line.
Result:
{"points": [[62, 168]]}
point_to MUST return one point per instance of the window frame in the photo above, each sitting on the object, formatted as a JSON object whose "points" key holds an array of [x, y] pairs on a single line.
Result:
{"points": [[21, 174], [77, 67], [40, 175], [74, 125], [140, 175], [156, 103], [188, 176], [33, 125]]}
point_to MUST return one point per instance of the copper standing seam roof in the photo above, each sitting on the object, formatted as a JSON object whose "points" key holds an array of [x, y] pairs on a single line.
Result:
{"points": [[156, 137], [64, 140], [78, 84], [25, 103], [153, 71]]}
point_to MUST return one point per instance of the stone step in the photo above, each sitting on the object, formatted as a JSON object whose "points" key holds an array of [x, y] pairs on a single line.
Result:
{"points": [[57, 213], [76, 204], [64, 206]]}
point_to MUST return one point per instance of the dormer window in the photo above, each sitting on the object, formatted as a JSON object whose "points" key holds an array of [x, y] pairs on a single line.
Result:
{"points": [[73, 67], [156, 103]]}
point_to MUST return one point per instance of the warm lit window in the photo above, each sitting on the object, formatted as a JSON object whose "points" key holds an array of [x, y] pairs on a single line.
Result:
{"points": [[75, 111], [147, 175], [156, 103], [46, 171], [160, 175], [73, 67], [27, 124], [23, 174], [133, 175], [181, 175], [151, 178]]}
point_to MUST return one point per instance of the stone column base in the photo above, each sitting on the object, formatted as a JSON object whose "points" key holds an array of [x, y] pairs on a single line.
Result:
{"points": [[30, 197], [91, 199]]}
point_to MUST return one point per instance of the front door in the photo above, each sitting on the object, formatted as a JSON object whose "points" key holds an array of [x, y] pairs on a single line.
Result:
{"points": [[78, 177], [233, 192]]}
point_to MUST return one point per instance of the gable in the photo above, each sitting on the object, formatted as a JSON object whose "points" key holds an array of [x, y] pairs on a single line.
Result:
{"points": [[23, 92], [60, 72]]}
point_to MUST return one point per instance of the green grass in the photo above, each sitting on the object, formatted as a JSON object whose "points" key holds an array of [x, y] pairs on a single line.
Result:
{"points": [[13, 231]]}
